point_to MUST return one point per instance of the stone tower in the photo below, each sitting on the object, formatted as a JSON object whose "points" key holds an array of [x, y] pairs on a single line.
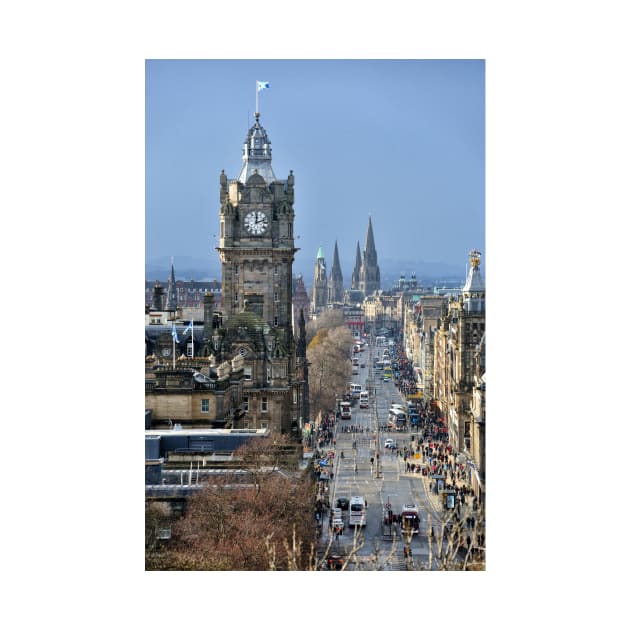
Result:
{"points": [[356, 273], [370, 275], [256, 250], [319, 296], [335, 285]]}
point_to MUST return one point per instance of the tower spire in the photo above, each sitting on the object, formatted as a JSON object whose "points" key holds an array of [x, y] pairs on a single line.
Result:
{"points": [[171, 291], [335, 287], [370, 279], [356, 273]]}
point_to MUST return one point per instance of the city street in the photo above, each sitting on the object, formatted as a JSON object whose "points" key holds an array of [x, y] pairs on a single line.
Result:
{"points": [[378, 474]]}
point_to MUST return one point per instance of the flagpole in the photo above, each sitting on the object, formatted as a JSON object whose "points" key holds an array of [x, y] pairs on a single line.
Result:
{"points": [[174, 346], [192, 338], [256, 98]]}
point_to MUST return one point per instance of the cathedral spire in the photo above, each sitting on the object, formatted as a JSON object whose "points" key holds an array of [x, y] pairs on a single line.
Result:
{"points": [[335, 287], [370, 279], [356, 274]]}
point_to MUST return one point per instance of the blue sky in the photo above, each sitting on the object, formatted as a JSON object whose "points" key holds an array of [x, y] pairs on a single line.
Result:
{"points": [[400, 140]]}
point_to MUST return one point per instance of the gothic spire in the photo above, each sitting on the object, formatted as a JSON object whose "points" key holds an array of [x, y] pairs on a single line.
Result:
{"points": [[171, 291], [356, 274], [370, 278], [335, 287]]}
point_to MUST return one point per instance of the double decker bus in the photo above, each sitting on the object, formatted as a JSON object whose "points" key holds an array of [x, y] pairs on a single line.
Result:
{"points": [[356, 512]]}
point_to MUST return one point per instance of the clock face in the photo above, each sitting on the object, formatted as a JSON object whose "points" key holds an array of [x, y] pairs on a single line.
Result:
{"points": [[256, 222], [166, 352]]}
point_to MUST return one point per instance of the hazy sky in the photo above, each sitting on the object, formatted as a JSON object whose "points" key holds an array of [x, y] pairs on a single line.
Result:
{"points": [[402, 140]]}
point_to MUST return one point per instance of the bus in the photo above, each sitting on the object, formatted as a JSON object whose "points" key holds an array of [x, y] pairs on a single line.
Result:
{"points": [[355, 389], [345, 411], [356, 512], [409, 519], [387, 374], [364, 400]]}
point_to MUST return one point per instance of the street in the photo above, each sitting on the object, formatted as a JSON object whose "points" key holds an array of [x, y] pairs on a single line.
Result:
{"points": [[378, 474]]}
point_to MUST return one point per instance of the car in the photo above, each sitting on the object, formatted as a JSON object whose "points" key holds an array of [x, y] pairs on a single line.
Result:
{"points": [[389, 443], [337, 526], [343, 503], [334, 562], [362, 365]]}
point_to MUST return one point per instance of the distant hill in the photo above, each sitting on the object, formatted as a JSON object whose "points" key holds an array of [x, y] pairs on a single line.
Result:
{"points": [[427, 273]]}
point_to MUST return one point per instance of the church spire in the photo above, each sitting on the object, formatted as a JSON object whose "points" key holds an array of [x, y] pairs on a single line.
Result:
{"points": [[356, 274], [370, 279], [171, 291], [335, 287]]}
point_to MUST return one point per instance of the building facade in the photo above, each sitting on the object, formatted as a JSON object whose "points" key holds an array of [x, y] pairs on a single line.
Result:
{"points": [[319, 297], [457, 346], [256, 251]]}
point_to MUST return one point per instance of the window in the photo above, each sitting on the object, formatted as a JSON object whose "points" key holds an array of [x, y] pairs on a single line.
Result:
{"points": [[247, 373], [235, 297], [275, 320], [245, 403], [275, 296], [263, 404], [268, 375], [189, 349], [275, 270], [236, 270], [205, 405]]}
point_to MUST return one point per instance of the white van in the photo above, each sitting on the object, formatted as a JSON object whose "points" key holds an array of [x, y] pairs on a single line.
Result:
{"points": [[364, 400]]}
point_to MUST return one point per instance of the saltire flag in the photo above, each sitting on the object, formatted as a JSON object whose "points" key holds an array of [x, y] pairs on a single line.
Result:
{"points": [[174, 334], [262, 85], [189, 327]]}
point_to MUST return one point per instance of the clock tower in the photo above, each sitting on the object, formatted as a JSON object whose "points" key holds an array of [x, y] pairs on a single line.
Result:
{"points": [[256, 245], [256, 250]]}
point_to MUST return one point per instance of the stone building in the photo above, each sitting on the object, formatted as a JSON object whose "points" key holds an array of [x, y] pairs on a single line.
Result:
{"points": [[256, 251], [319, 296], [457, 342], [301, 302]]}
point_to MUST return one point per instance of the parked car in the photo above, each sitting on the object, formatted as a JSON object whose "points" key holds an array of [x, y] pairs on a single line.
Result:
{"points": [[343, 503]]}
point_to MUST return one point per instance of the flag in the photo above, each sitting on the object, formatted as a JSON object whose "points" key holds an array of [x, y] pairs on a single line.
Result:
{"points": [[262, 85], [189, 327], [174, 334]]}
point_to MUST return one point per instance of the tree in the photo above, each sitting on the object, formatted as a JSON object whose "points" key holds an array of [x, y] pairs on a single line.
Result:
{"points": [[262, 522], [328, 355]]}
